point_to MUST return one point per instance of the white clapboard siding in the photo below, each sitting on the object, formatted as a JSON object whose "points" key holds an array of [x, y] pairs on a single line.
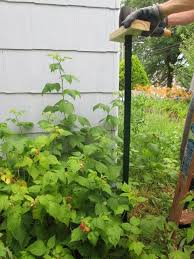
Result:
{"points": [[28, 26], [28, 71], [112, 4], [31, 29]]}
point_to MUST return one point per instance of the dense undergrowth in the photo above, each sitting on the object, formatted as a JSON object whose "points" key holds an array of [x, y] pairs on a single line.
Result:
{"points": [[61, 193]]}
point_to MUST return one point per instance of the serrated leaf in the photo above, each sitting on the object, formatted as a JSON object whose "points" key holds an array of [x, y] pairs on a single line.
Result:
{"points": [[24, 162], [60, 212], [73, 165], [83, 121], [44, 124], [76, 235], [26, 125], [135, 221], [179, 255], [72, 93], [51, 87], [93, 237], [101, 106], [64, 106], [4, 202], [137, 247], [2, 250], [51, 242], [38, 248], [190, 235], [15, 227], [90, 149], [101, 209], [46, 160], [113, 233], [101, 168], [49, 178], [69, 78], [50, 108], [55, 66], [112, 120]]}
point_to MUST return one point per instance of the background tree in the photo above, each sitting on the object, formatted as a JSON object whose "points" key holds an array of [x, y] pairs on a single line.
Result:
{"points": [[139, 75], [160, 56]]}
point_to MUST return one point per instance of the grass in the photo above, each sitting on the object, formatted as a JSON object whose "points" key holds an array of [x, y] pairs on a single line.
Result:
{"points": [[157, 127]]}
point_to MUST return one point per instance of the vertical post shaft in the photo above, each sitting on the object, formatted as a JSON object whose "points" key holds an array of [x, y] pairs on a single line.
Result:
{"points": [[127, 107]]}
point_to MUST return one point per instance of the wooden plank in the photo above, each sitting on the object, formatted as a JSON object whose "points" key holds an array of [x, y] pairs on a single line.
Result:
{"points": [[136, 29]]}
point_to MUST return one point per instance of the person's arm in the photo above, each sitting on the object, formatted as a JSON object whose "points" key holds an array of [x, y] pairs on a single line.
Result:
{"points": [[176, 6], [182, 18]]}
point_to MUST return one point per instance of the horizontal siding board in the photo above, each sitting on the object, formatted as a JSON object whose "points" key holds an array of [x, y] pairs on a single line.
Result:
{"points": [[28, 71], [25, 26], [112, 4], [34, 104]]}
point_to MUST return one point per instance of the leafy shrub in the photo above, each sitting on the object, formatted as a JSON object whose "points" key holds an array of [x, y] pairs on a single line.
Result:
{"points": [[61, 194], [185, 69], [139, 75]]}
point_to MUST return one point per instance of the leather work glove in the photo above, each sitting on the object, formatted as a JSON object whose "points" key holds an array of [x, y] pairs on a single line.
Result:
{"points": [[151, 14], [157, 31]]}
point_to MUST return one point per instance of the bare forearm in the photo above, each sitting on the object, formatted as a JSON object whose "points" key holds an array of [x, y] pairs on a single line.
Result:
{"points": [[176, 6], [182, 18]]}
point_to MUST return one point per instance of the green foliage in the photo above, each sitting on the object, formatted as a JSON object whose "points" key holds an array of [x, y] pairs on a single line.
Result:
{"points": [[185, 67], [139, 76], [62, 194], [162, 57]]}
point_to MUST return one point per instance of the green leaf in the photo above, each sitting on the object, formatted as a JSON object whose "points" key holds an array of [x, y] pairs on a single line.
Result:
{"points": [[112, 120], [64, 106], [73, 165], [190, 234], [51, 87], [2, 250], [46, 160], [57, 57], [135, 221], [69, 78], [93, 237], [34, 172], [50, 108], [51, 242], [72, 93], [55, 67], [90, 149], [15, 226], [77, 235], [4, 202], [113, 233], [38, 248], [102, 106], [101, 168], [49, 178], [60, 212], [41, 141], [137, 247], [44, 124], [179, 255], [83, 121], [24, 162], [26, 125], [100, 208]]}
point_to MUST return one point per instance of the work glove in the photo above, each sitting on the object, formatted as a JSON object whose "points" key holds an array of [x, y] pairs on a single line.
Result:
{"points": [[151, 14]]}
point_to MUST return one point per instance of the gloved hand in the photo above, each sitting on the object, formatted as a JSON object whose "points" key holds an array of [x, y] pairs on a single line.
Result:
{"points": [[151, 14], [157, 31]]}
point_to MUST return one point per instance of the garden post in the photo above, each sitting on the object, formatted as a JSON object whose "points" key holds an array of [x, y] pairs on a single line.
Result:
{"points": [[127, 107]]}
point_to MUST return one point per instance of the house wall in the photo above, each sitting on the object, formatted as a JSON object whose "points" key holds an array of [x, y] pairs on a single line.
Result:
{"points": [[80, 29]]}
